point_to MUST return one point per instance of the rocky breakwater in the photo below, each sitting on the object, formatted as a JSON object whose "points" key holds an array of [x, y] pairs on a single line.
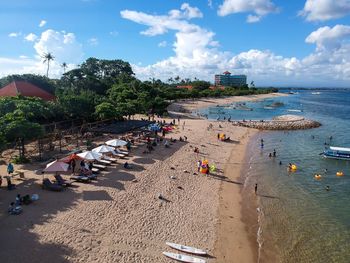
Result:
{"points": [[284, 122]]}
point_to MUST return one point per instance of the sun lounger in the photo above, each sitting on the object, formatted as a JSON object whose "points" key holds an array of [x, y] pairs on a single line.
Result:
{"points": [[104, 162], [80, 178], [121, 151], [95, 170], [111, 159], [47, 184], [62, 181], [99, 166], [120, 155]]}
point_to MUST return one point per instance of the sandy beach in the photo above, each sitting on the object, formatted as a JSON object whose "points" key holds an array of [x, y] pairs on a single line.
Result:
{"points": [[119, 218]]}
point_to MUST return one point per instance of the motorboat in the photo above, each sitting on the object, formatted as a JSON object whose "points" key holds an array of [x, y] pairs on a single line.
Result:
{"points": [[337, 153]]}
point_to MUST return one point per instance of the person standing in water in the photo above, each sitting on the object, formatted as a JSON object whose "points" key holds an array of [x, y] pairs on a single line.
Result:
{"points": [[256, 189], [274, 153]]}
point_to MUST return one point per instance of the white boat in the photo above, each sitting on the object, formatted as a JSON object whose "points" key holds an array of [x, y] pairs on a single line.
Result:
{"points": [[294, 110], [184, 258], [337, 153], [315, 93], [187, 249]]}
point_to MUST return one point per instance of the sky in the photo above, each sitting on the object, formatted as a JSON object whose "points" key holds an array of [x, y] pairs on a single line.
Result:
{"points": [[276, 43]]}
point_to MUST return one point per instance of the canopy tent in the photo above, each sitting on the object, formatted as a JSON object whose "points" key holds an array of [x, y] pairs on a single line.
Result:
{"points": [[90, 155], [103, 149], [56, 166], [154, 127], [116, 143]]}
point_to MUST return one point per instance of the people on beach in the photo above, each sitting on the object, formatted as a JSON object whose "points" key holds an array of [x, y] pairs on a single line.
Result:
{"points": [[127, 165], [10, 168], [73, 164], [280, 163], [256, 188], [199, 163], [166, 144], [274, 153], [270, 155], [10, 185]]}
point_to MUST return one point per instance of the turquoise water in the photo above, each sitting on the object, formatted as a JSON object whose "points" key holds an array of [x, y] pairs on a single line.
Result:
{"points": [[299, 220]]}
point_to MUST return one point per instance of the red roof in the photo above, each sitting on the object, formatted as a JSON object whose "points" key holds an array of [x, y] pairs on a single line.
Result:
{"points": [[227, 73], [25, 89]]}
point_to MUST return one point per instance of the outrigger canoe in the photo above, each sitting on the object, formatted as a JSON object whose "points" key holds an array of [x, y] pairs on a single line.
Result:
{"points": [[187, 249], [184, 258]]}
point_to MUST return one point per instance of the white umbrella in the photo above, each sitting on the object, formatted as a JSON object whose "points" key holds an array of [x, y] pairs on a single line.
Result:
{"points": [[103, 149], [90, 155], [116, 143], [56, 166]]}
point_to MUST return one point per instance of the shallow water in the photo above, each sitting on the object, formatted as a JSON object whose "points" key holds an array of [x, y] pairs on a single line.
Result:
{"points": [[299, 220]]}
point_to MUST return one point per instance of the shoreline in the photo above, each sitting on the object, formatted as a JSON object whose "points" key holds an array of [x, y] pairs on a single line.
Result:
{"points": [[236, 232]]}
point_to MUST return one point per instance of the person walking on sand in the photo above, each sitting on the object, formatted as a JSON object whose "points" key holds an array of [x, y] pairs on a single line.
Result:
{"points": [[73, 164], [256, 189], [274, 153], [10, 168]]}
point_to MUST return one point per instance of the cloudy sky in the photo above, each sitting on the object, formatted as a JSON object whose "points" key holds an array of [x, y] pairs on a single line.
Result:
{"points": [[274, 42]]}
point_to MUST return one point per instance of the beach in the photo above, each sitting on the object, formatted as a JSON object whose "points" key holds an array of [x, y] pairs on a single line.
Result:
{"points": [[119, 217]]}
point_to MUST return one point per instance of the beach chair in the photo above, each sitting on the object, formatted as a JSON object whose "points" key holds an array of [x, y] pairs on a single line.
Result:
{"points": [[111, 159], [99, 166], [62, 181], [47, 184], [95, 170], [80, 178], [119, 155], [104, 162], [121, 152]]}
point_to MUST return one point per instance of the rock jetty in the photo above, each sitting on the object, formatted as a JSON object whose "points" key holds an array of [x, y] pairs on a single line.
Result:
{"points": [[284, 122]]}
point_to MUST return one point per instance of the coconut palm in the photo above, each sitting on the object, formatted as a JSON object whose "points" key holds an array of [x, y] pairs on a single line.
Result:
{"points": [[64, 66], [47, 58]]}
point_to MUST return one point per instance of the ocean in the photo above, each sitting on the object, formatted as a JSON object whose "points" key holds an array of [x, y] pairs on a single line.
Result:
{"points": [[299, 220]]}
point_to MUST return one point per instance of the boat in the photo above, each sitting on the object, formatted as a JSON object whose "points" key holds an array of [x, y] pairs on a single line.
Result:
{"points": [[341, 153], [292, 110], [315, 93], [187, 249], [183, 258]]}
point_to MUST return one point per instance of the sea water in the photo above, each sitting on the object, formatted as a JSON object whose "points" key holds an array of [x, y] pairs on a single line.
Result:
{"points": [[299, 220]]}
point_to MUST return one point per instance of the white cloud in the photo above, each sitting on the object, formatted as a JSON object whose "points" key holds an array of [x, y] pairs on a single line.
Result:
{"points": [[63, 46], [42, 23], [93, 41], [210, 3], [260, 8], [329, 38], [31, 37], [322, 10], [15, 34], [162, 44], [196, 54], [253, 19]]}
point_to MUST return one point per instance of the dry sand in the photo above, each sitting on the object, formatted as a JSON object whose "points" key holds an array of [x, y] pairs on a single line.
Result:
{"points": [[118, 220]]}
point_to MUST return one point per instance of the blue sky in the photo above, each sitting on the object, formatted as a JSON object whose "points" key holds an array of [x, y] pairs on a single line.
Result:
{"points": [[274, 42]]}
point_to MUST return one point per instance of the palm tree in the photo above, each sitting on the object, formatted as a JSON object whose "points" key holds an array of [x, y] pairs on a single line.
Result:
{"points": [[47, 58], [64, 66]]}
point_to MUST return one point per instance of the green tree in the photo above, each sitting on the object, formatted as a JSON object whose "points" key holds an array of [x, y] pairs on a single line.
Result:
{"points": [[17, 129], [47, 57], [106, 110]]}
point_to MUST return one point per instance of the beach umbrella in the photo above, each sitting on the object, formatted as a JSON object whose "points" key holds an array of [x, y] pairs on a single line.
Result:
{"points": [[71, 157], [116, 143], [56, 166], [103, 149], [90, 155]]}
